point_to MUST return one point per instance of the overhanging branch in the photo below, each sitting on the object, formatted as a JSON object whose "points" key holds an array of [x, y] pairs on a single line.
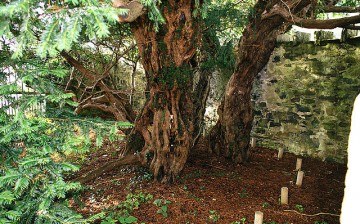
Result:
{"points": [[316, 24], [327, 24], [135, 10], [345, 9]]}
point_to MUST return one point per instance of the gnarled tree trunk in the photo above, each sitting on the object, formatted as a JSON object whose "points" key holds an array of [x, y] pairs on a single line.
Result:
{"points": [[166, 121], [231, 135]]}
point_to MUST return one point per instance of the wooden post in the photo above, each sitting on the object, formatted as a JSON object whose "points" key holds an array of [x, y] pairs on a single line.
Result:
{"points": [[299, 178], [284, 196], [298, 164], [258, 217], [280, 153], [253, 142]]}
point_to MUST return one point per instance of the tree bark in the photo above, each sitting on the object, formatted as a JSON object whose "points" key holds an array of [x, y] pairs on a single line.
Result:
{"points": [[231, 135], [166, 121], [208, 49]]}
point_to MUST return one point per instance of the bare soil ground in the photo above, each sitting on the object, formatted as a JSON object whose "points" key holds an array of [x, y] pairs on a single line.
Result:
{"points": [[214, 190]]}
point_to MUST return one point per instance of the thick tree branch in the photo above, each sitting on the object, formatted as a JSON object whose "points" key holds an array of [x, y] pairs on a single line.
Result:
{"points": [[123, 110], [92, 175], [135, 9], [345, 9], [72, 61], [327, 24], [106, 72], [316, 24], [352, 27]]}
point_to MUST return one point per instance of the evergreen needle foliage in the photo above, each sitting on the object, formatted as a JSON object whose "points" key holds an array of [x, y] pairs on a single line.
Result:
{"points": [[35, 142]]}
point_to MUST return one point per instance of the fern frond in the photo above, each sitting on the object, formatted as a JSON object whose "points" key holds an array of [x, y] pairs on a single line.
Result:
{"points": [[6, 197], [13, 216], [4, 27], [95, 217], [14, 7], [69, 167], [47, 39], [70, 33], [20, 185], [9, 178], [101, 28]]}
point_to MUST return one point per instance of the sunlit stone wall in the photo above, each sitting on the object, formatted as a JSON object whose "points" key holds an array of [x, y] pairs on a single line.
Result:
{"points": [[303, 99]]}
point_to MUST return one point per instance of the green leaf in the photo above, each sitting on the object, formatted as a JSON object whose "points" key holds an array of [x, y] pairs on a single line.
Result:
{"points": [[47, 39], [6, 197], [101, 29], [157, 202], [4, 28], [9, 179], [20, 185], [96, 216], [70, 34], [130, 219], [69, 167], [99, 140]]}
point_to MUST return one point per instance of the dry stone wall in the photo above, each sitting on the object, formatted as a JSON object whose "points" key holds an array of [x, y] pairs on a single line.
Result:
{"points": [[303, 98]]}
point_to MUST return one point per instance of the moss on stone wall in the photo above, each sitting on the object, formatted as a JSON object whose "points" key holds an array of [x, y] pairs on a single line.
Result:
{"points": [[303, 100]]}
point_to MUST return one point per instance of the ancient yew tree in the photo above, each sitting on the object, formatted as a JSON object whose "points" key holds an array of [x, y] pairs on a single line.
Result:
{"points": [[268, 19], [168, 36], [166, 121]]}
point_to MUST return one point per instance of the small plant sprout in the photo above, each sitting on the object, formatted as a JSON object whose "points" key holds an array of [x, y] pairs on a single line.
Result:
{"points": [[265, 205], [163, 208], [243, 220], [243, 193], [320, 222], [299, 207], [214, 216]]}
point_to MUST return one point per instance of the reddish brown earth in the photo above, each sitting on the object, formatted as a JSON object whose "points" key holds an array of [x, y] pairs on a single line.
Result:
{"points": [[212, 189]]}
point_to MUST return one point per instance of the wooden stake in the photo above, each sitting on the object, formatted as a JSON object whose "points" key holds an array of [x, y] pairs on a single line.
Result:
{"points": [[280, 153], [258, 217], [299, 178], [253, 142], [298, 164], [284, 196]]}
